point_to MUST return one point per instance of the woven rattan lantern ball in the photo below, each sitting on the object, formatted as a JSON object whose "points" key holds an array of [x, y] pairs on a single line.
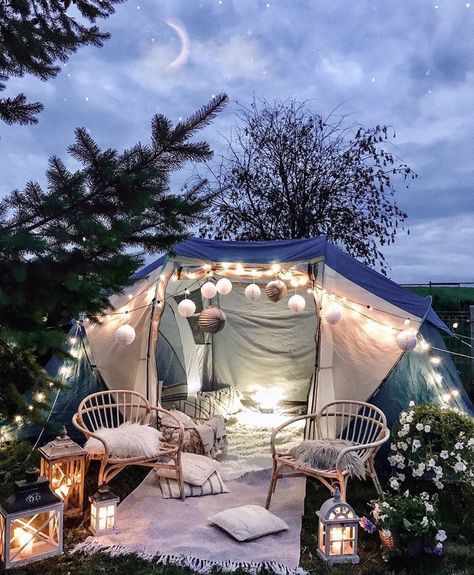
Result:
{"points": [[275, 290], [212, 320], [186, 307], [406, 340], [252, 292], [125, 334]]}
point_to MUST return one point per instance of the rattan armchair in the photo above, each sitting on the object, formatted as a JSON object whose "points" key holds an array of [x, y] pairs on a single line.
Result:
{"points": [[361, 423], [112, 408]]}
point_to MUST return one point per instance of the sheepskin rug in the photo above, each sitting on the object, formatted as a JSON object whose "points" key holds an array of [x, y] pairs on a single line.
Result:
{"points": [[322, 454]]}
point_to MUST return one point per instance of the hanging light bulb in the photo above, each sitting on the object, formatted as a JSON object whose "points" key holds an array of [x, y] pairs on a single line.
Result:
{"points": [[276, 268], [296, 303], [333, 313], [252, 292], [208, 290], [186, 307], [435, 360], [240, 269], [406, 340], [125, 334], [224, 286]]}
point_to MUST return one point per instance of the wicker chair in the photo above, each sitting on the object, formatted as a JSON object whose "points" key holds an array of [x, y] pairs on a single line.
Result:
{"points": [[112, 408], [363, 424]]}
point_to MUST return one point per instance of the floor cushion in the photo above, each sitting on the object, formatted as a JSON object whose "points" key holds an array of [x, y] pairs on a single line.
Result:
{"points": [[212, 486], [196, 469], [248, 522]]}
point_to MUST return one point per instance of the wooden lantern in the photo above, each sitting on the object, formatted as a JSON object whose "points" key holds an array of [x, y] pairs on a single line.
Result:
{"points": [[338, 531], [63, 462], [31, 522], [103, 510]]}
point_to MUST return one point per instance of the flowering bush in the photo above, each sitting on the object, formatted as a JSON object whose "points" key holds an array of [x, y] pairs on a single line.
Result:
{"points": [[406, 517], [433, 443]]}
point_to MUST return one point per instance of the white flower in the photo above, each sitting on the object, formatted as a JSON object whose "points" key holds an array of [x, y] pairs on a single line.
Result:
{"points": [[424, 522], [412, 404], [386, 532], [421, 466], [407, 493], [419, 426], [471, 442], [431, 463], [409, 418], [382, 518], [376, 512], [393, 447], [429, 508], [424, 496], [400, 476], [438, 471], [401, 465], [406, 427], [394, 484], [444, 454], [403, 415], [427, 428], [438, 484], [459, 466], [415, 445], [441, 536], [459, 445], [385, 505]]}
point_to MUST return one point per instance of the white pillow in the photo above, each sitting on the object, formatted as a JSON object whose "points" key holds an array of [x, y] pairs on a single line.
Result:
{"points": [[212, 486], [127, 440], [248, 522], [196, 469], [167, 421]]}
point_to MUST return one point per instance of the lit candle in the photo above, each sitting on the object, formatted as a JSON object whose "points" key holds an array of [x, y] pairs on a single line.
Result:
{"points": [[25, 540], [336, 541]]}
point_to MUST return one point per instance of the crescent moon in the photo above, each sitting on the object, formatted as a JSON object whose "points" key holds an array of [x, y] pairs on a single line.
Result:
{"points": [[185, 44]]}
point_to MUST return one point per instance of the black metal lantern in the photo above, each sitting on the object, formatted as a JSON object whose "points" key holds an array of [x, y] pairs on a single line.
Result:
{"points": [[338, 531], [63, 463], [31, 522]]}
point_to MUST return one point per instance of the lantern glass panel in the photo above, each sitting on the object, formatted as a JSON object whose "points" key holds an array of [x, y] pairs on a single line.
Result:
{"points": [[34, 535]]}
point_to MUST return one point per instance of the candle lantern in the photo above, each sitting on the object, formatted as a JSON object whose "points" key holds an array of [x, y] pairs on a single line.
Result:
{"points": [[103, 510], [31, 522], [338, 531], [63, 462]]}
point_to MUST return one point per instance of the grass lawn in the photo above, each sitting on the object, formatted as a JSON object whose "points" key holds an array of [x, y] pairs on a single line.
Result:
{"points": [[458, 558]]}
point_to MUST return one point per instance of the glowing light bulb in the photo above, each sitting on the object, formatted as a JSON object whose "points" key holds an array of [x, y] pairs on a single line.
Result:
{"points": [[435, 360], [455, 325], [407, 321], [455, 393], [276, 268], [438, 377], [446, 397], [39, 396], [225, 265], [239, 268], [25, 541]]}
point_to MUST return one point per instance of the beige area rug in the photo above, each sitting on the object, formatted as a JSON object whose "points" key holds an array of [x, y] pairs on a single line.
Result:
{"points": [[172, 531], [248, 434]]}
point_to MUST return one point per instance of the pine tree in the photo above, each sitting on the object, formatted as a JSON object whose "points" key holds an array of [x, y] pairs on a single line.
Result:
{"points": [[66, 248], [37, 34]]}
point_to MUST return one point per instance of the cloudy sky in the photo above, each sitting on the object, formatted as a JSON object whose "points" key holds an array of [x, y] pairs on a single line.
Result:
{"points": [[406, 63]]}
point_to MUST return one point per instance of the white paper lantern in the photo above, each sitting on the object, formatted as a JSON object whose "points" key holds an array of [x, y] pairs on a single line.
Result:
{"points": [[333, 313], [224, 286], [296, 303], [208, 290], [186, 307], [252, 292], [125, 334], [406, 340]]}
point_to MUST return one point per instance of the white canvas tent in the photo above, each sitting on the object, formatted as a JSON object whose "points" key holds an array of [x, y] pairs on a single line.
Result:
{"points": [[265, 347]]}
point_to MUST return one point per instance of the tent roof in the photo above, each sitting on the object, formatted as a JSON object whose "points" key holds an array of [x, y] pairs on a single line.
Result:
{"points": [[303, 250]]}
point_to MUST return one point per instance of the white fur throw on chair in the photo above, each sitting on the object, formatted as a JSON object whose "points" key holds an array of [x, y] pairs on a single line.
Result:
{"points": [[127, 440], [322, 454]]}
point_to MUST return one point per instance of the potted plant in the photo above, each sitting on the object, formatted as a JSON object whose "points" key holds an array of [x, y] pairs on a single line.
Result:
{"points": [[407, 524]]}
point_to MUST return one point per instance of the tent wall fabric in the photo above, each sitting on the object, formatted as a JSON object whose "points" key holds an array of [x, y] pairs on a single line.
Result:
{"points": [[265, 347]]}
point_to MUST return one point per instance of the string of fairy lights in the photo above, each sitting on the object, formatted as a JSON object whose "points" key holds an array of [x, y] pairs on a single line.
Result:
{"points": [[331, 306]]}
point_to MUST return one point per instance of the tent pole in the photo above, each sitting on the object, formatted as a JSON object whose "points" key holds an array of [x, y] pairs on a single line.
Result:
{"points": [[153, 331], [313, 391]]}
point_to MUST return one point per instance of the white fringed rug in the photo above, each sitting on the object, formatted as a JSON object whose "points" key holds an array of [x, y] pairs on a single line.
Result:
{"points": [[172, 531]]}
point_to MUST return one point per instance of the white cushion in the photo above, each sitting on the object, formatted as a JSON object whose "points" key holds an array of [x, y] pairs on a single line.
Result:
{"points": [[212, 486], [248, 522], [127, 440], [167, 421], [196, 469]]}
